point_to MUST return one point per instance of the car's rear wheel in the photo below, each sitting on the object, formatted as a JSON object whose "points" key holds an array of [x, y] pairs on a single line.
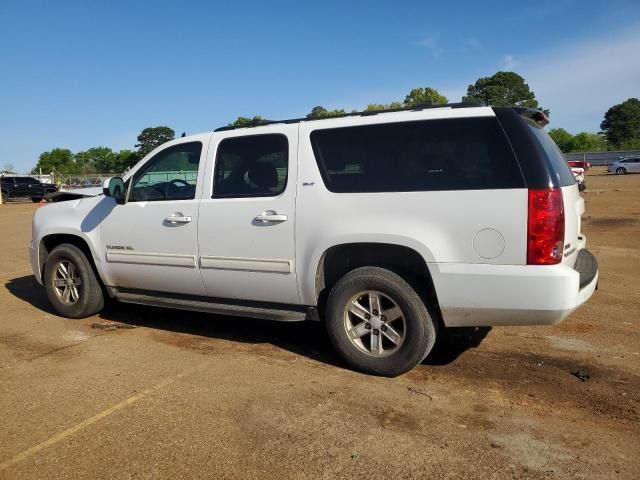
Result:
{"points": [[36, 199], [378, 322], [71, 284], [621, 170], [5, 195]]}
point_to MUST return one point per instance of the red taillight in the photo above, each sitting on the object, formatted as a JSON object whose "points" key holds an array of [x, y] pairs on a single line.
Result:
{"points": [[545, 229]]}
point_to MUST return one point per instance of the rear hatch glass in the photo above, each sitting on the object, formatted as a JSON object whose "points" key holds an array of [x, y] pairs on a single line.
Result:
{"points": [[555, 159]]}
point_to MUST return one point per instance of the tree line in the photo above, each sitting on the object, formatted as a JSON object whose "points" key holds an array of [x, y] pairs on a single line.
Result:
{"points": [[103, 159], [620, 129]]}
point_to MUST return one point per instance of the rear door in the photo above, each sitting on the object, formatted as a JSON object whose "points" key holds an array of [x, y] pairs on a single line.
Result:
{"points": [[633, 165], [247, 215], [22, 188]]}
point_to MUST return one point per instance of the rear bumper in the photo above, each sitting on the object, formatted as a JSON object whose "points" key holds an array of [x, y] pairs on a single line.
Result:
{"points": [[489, 295]]}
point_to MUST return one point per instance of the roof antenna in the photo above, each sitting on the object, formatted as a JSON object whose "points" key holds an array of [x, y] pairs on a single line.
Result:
{"points": [[183, 134]]}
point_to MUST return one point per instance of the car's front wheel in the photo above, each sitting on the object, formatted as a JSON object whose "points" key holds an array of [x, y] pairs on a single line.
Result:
{"points": [[378, 323], [621, 170], [71, 284]]}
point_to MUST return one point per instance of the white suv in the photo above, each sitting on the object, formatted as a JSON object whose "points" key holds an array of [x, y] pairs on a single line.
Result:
{"points": [[383, 225]]}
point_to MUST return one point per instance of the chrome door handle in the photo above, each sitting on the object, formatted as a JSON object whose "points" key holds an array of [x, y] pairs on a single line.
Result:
{"points": [[271, 216], [177, 218]]}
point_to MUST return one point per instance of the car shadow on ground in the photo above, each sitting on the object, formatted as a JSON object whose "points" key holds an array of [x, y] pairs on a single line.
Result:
{"points": [[303, 338]]}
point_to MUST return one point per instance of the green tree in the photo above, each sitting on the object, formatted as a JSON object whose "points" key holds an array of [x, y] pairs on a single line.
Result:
{"points": [[153, 137], [382, 106], [124, 159], [563, 139], [424, 95], [621, 125], [246, 121], [59, 158], [503, 88], [321, 112], [96, 159], [587, 142]]}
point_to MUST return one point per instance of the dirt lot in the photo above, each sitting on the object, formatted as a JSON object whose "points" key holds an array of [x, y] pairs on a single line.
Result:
{"points": [[149, 393]]}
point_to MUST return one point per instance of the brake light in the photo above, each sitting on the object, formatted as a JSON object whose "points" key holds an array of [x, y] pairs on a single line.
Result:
{"points": [[545, 227]]}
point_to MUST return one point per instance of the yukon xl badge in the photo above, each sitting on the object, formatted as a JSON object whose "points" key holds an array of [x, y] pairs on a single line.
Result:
{"points": [[119, 247]]}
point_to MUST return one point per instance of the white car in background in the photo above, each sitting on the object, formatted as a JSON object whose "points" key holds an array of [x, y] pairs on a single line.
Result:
{"points": [[625, 165]]}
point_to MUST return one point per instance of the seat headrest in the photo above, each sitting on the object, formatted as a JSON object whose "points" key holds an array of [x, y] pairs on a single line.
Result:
{"points": [[263, 174]]}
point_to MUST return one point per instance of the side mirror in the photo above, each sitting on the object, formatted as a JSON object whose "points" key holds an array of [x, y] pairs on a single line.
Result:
{"points": [[114, 187]]}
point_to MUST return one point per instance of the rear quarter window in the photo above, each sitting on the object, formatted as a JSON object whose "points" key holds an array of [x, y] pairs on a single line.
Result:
{"points": [[445, 154], [554, 157]]}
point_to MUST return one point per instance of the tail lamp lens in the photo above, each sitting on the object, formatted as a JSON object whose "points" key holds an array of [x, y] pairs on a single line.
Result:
{"points": [[545, 230]]}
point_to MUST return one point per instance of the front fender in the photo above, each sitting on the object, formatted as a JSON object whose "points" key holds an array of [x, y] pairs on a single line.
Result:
{"points": [[79, 218]]}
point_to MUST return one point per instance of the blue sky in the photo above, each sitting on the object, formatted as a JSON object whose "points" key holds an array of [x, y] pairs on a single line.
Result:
{"points": [[77, 74]]}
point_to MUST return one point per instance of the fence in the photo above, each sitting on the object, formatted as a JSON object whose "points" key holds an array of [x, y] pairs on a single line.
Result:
{"points": [[601, 158]]}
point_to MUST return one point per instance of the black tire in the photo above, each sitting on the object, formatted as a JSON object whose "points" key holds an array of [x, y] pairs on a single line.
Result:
{"points": [[5, 195], [420, 328], [90, 296], [621, 171], [36, 199]]}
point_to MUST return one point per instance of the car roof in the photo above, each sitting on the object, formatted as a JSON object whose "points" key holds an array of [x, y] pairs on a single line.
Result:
{"points": [[413, 108]]}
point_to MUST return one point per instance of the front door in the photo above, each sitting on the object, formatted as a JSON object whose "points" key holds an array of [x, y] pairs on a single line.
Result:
{"points": [[150, 242], [246, 222]]}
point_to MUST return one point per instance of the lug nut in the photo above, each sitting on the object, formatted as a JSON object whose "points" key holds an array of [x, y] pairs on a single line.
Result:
{"points": [[375, 312], [383, 318], [367, 326], [384, 329], [375, 332], [367, 316]]}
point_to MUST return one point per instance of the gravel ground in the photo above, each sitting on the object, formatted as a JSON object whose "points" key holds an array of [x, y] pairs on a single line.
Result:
{"points": [[152, 393]]}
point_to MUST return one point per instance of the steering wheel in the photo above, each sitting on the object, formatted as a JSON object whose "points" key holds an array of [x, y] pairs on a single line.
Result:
{"points": [[179, 180], [165, 188], [175, 184]]}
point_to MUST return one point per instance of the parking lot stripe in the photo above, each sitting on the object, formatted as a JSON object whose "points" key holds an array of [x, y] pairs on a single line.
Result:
{"points": [[89, 421]]}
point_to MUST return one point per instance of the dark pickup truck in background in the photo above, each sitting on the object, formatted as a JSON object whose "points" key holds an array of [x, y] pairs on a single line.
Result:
{"points": [[17, 187]]}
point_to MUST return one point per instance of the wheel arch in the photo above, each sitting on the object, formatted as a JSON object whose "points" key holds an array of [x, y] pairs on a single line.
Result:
{"points": [[339, 259], [51, 241]]}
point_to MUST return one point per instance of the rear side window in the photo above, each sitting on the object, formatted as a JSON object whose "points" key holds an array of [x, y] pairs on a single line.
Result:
{"points": [[448, 154], [251, 166], [554, 156]]}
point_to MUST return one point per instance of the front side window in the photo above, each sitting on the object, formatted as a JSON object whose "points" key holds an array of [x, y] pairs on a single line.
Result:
{"points": [[251, 166], [448, 154], [170, 175]]}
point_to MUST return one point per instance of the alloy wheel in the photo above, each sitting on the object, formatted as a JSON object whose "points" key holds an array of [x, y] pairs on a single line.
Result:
{"points": [[374, 323], [67, 282]]}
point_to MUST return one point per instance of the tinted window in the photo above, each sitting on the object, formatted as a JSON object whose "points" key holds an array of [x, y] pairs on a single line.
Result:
{"points": [[554, 157], [451, 154], [25, 180], [250, 166], [169, 175]]}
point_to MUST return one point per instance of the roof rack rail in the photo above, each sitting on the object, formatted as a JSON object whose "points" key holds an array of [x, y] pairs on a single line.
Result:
{"points": [[415, 108]]}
